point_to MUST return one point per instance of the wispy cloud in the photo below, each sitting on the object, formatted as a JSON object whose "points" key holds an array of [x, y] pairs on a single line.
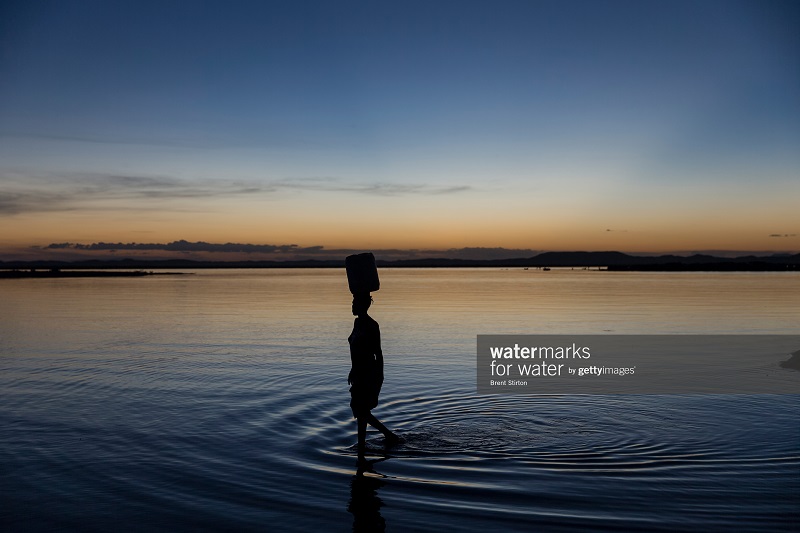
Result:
{"points": [[31, 200], [194, 140], [122, 186], [42, 193], [24, 193], [106, 139], [378, 189]]}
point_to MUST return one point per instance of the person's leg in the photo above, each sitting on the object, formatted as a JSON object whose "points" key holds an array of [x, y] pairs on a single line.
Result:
{"points": [[362, 436], [374, 422]]}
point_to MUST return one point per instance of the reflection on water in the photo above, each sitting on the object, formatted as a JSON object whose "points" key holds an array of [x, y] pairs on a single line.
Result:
{"points": [[220, 401], [364, 504]]}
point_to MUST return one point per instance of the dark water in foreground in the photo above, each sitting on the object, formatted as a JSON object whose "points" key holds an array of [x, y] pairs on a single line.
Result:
{"points": [[219, 401]]}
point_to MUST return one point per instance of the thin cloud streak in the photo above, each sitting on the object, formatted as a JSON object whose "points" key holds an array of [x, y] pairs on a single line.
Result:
{"points": [[133, 141], [205, 141], [90, 192], [43, 193], [377, 189]]}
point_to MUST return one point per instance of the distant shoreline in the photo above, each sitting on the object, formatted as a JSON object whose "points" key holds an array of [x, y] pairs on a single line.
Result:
{"points": [[611, 261]]}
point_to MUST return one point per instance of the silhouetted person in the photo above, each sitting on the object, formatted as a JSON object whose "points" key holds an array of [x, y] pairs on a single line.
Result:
{"points": [[366, 374]]}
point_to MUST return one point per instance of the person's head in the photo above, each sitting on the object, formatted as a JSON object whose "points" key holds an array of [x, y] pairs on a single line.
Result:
{"points": [[361, 303]]}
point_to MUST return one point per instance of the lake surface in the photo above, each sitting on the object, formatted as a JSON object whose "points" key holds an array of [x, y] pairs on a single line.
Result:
{"points": [[220, 401]]}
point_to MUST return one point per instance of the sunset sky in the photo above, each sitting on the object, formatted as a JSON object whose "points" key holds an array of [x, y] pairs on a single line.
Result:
{"points": [[638, 126]]}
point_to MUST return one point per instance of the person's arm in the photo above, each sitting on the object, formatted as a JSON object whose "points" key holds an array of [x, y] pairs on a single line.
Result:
{"points": [[378, 350], [352, 361]]}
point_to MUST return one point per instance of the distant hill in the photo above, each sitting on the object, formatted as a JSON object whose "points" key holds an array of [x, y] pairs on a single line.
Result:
{"points": [[611, 260]]}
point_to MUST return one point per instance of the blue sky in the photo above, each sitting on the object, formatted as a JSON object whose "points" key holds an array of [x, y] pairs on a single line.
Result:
{"points": [[450, 107]]}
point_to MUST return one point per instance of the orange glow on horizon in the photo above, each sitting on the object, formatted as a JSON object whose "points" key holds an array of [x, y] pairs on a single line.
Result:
{"points": [[659, 223]]}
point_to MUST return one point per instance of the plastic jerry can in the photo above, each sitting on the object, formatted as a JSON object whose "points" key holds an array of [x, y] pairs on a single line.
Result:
{"points": [[362, 273]]}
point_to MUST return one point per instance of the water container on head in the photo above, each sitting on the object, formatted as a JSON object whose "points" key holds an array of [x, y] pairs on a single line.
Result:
{"points": [[362, 273]]}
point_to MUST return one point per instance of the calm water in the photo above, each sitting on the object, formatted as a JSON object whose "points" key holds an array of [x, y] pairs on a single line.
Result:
{"points": [[219, 401]]}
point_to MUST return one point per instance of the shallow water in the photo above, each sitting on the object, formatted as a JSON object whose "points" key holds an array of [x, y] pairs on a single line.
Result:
{"points": [[219, 401]]}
